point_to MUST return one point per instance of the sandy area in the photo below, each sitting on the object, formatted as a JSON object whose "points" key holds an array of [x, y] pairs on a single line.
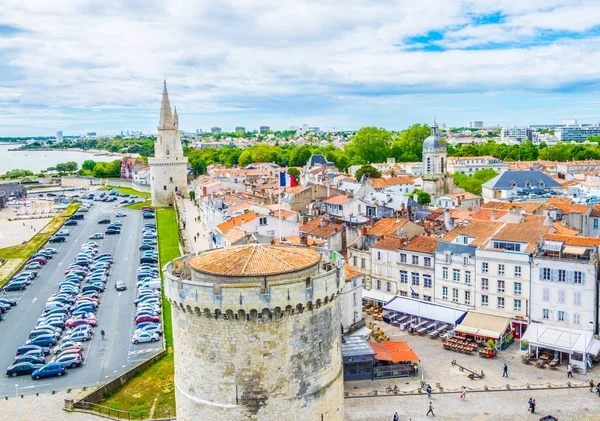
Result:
{"points": [[13, 233]]}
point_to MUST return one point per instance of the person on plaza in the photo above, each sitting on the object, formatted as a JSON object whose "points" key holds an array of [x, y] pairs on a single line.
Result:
{"points": [[533, 406], [428, 389], [591, 385], [463, 395], [416, 369], [598, 389], [430, 409], [102, 333], [505, 372], [569, 370], [530, 402], [396, 417]]}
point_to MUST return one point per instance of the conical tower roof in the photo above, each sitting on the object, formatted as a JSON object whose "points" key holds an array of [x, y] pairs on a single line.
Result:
{"points": [[166, 118]]}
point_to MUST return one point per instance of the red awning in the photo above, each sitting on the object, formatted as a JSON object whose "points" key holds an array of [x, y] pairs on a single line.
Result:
{"points": [[393, 351]]}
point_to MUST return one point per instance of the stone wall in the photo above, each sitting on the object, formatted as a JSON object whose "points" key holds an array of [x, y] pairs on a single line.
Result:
{"points": [[266, 369], [167, 177]]}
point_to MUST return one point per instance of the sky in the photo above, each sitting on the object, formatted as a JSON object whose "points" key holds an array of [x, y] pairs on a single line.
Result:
{"points": [[93, 65]]}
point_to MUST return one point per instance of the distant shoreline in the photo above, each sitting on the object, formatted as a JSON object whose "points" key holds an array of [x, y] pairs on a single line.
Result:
{"points": [[95, 152]]}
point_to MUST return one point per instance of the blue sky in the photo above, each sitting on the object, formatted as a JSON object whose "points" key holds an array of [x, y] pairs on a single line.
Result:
{"points": [[81, 66]]}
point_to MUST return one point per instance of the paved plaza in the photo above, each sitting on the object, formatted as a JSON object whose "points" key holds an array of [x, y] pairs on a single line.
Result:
{"points": [[15, 232]]}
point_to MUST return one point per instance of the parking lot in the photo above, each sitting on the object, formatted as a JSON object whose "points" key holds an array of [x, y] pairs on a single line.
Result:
{"points": [[103, 359]]}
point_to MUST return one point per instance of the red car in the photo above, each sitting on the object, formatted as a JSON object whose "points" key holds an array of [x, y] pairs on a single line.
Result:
{"points": [[80, 322], [39, 260], [147, 318]]}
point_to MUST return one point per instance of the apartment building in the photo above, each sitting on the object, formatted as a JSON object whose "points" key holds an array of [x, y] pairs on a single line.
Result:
{"points": [[351, 299], [471, 164], [404, 267]]}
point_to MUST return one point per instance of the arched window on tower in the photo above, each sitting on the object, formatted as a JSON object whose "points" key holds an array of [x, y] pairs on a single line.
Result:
{"points": [[442, 163], [168, 152], [428, 165]]}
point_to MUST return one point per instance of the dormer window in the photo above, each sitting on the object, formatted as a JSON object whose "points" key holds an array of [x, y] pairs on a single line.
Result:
{"points": [[541, 183], [513, 183], [527, 184]]}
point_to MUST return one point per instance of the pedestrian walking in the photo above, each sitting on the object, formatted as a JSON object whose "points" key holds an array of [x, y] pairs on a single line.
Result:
{"points": [[430, 409], [530, 402], [194, 238], [505, 372], [463, 395], [102, 333], [428, 389], [396, 417], [591, 385], [598, 389], [416, 366], [533, 406], [569, 370]]}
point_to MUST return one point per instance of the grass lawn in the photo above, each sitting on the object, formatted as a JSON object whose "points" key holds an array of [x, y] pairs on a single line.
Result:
{"points": [[17, 255], [155, 385], [139, 205], [126, 190]]}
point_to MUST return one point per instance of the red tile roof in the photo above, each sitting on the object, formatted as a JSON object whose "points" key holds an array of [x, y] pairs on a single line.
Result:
{"points": [[338, 199], [574, 241], [351, 273], [394, 351], [421, 243], [386, 226]]}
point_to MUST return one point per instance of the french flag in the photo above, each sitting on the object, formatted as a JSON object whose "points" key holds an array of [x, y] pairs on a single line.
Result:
{"points": [[286, 180]]}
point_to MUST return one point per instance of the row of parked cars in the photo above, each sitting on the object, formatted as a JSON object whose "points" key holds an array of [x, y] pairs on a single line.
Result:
{"points": [[37, 261], [148, 212], [68, 314], [148, 300], [112, 229]]}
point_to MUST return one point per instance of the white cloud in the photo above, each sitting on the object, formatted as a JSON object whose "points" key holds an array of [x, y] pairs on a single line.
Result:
{"points": [[231, 56]]}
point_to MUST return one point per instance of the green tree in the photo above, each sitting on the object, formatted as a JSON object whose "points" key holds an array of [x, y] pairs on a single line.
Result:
{"points": [[294, 172], [88, 165], [371, 144], [409, 145], [368, 171], [423, 198], [245, 158]]}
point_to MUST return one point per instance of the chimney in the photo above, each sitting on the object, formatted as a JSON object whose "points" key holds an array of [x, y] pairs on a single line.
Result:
{"points": [[344, 244], [448, 220], [493, 215], [323, 222], [304, 240], [363, 231]]}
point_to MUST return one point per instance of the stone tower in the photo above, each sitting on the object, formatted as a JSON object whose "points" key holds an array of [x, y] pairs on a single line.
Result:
{"points": [[168, 168], [435, 178], [257, 333]]}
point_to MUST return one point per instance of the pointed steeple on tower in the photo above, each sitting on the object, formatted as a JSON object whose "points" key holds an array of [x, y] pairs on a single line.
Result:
{"points": [[166, 118], [168, 167]]}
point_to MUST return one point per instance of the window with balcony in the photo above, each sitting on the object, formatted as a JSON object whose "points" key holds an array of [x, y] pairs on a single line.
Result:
{"points": [[465, 260], [468, 297], [444, 293], [484, 267], [500, 302], [403, 276], [578, 277], [562, 275], [546, 313], [354, 261], [484, 284], [388, 287], [415, 278], [517, 289], [427, 262], [448, 259], [415, 260], [517, 271], [445, 273], [517, 306], [484, 300], [561, 316], [402, 258], [456, 275], [467, 277], [501, 285], [577, 298], [427, 281], [545, 274], [500, 269], [454, 295]]}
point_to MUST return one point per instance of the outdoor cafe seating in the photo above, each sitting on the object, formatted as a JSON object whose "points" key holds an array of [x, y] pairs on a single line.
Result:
{"points": [[460, 343]]}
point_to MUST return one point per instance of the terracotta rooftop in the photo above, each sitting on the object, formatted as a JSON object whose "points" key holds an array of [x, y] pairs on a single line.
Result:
{"points": [[525, 232], [595, 211], [234, 235], [566, 208], [574, 240], [389, 243], [394, 352], [236, 221], [297, 240], [255, 260], [526, 206], [326, 231], [464, 195], [486, 214], [386, 226], [398, 180], [351, 273], [295, 190], [377, 183], [564, 230], [479, 230], [421, 243], [338, 199], [313, 223], [559, 201], [242, 206]]}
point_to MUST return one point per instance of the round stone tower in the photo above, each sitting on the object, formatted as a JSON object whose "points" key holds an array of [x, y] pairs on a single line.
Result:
{"points": [[257, 333]]}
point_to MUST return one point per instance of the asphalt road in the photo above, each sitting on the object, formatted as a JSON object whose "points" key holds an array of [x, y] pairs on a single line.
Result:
{"points": [[103, 360]]}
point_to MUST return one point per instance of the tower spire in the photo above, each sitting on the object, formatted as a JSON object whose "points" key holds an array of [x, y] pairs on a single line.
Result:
{"points": [[175, 117], [166, 118]]}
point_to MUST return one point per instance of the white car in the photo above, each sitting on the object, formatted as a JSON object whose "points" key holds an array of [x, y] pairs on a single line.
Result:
{"points": [[67, 345], [96, 236], [33, 266], [120, 214], [139, 337], [63, 232], [149, 329]]}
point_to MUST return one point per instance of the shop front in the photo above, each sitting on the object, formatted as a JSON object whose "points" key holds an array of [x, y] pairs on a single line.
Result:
{"points": [[484, 327]]}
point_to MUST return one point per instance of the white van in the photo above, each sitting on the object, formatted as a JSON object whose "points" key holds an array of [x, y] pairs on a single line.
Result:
{"points": [[152, 284]]}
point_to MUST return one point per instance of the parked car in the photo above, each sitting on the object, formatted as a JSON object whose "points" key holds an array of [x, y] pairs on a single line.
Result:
{"points": [[96, 236], [104, 221], [112, 231], [70, 360], [33, 266], [8, 301], [80, 336], [63, 232], [80, 322], [70, 222], [141, 336], [148, 215], [30, 358], [150, 328], [147, 318], [57, 239], [22, 368], [120, 214], [48, 370], [120, 285], [42, 340], [67, 345], [15, 286]]}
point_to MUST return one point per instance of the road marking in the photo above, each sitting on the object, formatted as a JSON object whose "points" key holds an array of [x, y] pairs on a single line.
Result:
{"points": [[34, 300]]}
